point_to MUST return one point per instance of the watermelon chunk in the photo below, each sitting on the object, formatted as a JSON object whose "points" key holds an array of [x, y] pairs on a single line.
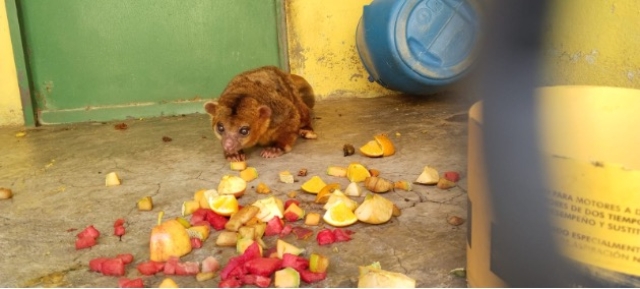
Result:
{"points": [[119, 231], [89, 231], [452, 176], [296, 262], [130, 283], [217, 222], [126, 258], [113, 267], [311, 277], [118, 223], [301, 233], [196, 243], [325, 237], [85, 242], [233, 263], [286, 230], [230, 283], [274, 227], [263, 266], [341, 236], [210, 264], [96, 264], [150, 267], [198, 216], [187, 268], [260, 281], [170, 265], [291, 201]]}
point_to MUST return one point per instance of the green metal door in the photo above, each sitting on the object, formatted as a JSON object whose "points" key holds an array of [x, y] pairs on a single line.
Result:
{"points": [[96, 60]]}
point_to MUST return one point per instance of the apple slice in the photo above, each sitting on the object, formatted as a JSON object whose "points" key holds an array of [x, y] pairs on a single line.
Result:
{"points": [[283, 247], [429, 176]]}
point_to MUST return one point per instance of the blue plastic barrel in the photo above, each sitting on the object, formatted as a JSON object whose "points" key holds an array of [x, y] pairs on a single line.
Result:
{"points": [[418, 46]]}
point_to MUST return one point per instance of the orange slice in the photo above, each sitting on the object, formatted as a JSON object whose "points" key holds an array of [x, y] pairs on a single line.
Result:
{"points": [[224, 205], [340, 215], [385, 143], [325, 192], [313, 185], [372, 149], [357, 173]]}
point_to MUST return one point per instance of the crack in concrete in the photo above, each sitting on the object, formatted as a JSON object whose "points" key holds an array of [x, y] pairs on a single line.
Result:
{"points": [[399, 260]]}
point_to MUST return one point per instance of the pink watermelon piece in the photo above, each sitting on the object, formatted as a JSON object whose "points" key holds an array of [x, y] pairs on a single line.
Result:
{"points": [[274, 227], [296, 262], [263, 266], [311, 277], [325, 237]]}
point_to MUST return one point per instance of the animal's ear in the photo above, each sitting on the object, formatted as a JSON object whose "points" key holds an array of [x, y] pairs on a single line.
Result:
{"points": [[264, 112], [210, 107]]}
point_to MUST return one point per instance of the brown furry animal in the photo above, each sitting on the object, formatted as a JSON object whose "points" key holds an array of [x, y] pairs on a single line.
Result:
{"points": [[266, 107]]}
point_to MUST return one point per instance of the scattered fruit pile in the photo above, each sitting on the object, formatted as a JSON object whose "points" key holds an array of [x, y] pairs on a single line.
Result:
{"points": [[243, 227]]}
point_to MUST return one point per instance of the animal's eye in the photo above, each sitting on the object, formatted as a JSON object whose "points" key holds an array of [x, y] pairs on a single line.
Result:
{"points": [[244, 130], [220, 127]]}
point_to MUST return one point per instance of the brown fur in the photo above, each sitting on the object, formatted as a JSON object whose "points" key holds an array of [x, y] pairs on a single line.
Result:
{"points": [[274, 105]]}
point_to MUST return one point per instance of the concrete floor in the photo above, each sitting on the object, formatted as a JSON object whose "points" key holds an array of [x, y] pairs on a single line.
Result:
{"points": [[57, 174]]}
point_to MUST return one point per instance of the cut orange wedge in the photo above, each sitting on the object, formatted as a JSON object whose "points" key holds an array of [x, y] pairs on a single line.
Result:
{"points": [[224, 205], [372, 149], [340, 215], [357, 173], [385, 143], [313, 185], [325, 192]]}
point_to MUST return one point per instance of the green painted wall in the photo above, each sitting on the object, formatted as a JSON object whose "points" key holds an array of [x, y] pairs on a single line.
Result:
{"points": [[111, 59]]}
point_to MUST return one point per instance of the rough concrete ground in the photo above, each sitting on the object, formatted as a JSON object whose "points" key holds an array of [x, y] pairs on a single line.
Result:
{"points": [[57, 174]]}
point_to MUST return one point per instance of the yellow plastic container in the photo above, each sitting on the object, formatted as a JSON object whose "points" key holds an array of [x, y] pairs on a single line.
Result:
{"points": [[590, 144]]}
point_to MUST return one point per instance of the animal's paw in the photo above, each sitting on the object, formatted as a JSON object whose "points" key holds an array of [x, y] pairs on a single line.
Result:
{"points": [[307, 133], [235, 157], [271, 152]]}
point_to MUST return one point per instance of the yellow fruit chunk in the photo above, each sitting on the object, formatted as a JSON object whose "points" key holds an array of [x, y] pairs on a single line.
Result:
{"points": [[238, 166], [200, 232], [188, 207], [269, 207], [283, 247], [112, 179], [403, 185], [339, 197], [371, 149], [313, 185], [357, 173], [323, 196], [286, 177], [312, 219], [168, 239], [145, 204], [224, 205], [318, 263], [168, 283], [340, 215], [286, 278], [232, 185], [262, 188], [337, 171], [199, 197], [385, 143], [373, 276], [249, 174], [375, 209]]}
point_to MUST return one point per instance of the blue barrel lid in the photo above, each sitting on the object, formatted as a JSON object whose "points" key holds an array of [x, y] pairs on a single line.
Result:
{"points": [[418, 46], [436, 38]]}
